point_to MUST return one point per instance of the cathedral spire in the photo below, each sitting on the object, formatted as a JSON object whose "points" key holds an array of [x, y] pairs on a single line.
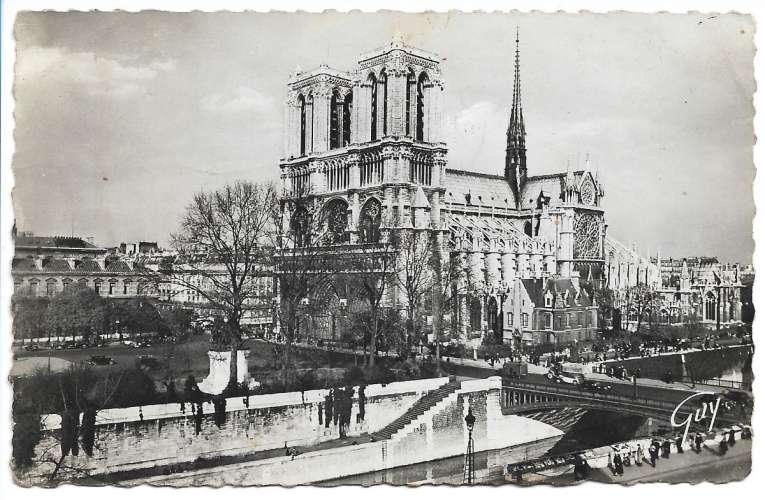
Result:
{"points": [[515, 153]]}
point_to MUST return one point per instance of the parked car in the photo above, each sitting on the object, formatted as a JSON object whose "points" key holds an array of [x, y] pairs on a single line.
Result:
{"points": [[129, 343], [73, 344], [144, 343], [101, 361], [31, 347]]}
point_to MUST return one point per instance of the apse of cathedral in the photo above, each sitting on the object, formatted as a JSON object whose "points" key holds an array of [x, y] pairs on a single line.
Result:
{"points": [[366, 147]]}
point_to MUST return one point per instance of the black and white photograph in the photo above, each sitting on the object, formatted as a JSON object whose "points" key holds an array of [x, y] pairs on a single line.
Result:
{"points": [[508, 248]]}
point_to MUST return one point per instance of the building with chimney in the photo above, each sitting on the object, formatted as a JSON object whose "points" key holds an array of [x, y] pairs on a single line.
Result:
{"points": [[44, 266]]}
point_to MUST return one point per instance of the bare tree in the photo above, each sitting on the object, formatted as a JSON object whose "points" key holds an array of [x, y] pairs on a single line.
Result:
{"points": [[643, 301], [77, 395], [450, 280], [414, 273], [303, 265], [221, 247], [372, 266]]}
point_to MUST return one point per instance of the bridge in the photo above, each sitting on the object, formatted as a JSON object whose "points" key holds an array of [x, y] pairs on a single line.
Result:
{"points": [[524, 397]]}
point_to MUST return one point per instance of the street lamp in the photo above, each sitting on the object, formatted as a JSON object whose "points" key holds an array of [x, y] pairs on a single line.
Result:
{"points": [[469, 473]]}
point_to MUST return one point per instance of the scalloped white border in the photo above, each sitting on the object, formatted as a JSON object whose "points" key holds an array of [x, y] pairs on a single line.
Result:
{"points": [[745, 489]]}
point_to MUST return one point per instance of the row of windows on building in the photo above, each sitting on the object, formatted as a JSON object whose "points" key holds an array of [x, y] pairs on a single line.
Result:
{"points": [[341, 111], [50, 287], [569, 320]]}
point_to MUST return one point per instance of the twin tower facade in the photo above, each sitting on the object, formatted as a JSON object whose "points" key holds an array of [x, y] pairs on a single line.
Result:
{"points": [[366, 148]]}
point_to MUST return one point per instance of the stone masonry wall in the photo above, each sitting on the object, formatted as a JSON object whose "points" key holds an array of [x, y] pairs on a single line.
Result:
{"points": [[157, 435], [439, 433]]}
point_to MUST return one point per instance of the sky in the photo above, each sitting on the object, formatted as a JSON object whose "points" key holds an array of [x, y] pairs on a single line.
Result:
{"points": [[121, 118]]}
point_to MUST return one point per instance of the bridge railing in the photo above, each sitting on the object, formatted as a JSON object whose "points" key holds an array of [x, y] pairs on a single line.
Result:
{"points": [[719, 382], [581, 394]]}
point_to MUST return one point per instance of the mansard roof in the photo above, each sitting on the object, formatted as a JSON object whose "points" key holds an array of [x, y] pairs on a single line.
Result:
{"points": [[117, 266], [58, 265], [24, 265], [88, 265], [52, 242], [484, 189]]}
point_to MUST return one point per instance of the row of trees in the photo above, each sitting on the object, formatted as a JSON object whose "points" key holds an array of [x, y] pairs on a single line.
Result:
{"points": [[81, 312], [643, 307]]}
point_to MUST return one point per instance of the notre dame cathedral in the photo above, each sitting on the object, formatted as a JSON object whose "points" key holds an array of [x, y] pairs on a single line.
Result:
{"points": [[367, 146]]}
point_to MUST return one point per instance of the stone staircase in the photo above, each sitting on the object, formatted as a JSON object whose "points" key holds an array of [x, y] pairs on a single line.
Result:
{"points": [[424, 404]]}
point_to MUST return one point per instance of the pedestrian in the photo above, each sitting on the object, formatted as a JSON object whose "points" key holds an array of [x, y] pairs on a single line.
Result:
{"points": [[723, 447], [581, 468], [698, 442], [618, 465], [665, 449], [732, 438], [679, 444], [639, 456], [653, 451]]}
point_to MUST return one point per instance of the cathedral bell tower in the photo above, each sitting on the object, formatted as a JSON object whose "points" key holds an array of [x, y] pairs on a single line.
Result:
{"points": [[515, 153]]}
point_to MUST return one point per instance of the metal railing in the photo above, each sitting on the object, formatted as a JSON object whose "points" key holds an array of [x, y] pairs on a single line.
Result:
{"points": [[580, 395], [719, 382]]}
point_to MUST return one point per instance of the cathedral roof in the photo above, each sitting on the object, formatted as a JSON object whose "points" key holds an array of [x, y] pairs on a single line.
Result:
{"points": [[551, 184], [484, 189]]}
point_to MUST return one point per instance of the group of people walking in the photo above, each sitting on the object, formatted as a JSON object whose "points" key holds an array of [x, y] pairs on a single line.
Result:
{"points": [[662, 449]]}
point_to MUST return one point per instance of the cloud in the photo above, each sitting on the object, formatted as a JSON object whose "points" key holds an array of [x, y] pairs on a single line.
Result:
{"points": [[242, 99], [98, 75]]}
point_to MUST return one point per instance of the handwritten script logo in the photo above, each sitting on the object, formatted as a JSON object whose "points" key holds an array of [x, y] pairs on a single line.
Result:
{"points": [[697, 415]]}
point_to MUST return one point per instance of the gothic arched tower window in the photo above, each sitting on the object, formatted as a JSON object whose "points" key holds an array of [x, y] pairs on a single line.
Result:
{"points": [[372, 81], [301, 103], [369, 222], [336, 214], [384, 103], [309, 123], [335, 116], [299, 225], [411, 88], [347, 112], [420, 129]]}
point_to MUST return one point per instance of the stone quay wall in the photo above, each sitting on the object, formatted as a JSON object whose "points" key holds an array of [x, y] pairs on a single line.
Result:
{"points": [[439, 433], [159, 435]]}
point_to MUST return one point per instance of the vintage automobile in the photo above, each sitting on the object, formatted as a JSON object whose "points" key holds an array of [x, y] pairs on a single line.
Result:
{"points": [[593, 386], [101, 361], [566, 373]]}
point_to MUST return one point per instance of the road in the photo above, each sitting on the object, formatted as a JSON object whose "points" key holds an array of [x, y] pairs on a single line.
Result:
{"points": [[619, 387]]}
